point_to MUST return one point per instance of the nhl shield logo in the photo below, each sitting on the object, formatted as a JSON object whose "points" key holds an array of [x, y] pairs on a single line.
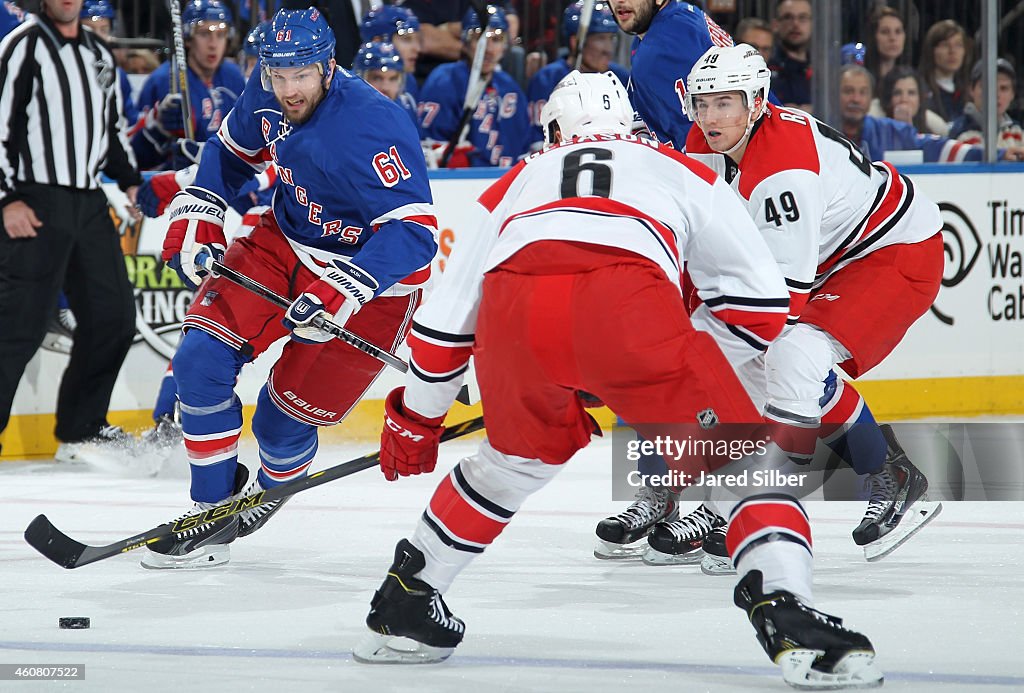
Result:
{"points": [[707, 418]]}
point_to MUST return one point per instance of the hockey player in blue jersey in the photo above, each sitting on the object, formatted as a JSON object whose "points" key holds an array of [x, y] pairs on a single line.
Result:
{"points": [[669, 38], [99, 15], [400, 27], [351, 237], [498, 130], [598, 48], [214, 85], [379, 63]]}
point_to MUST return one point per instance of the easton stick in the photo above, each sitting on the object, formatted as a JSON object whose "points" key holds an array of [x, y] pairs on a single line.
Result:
{"points": [[179, 67], [66, 552], [353, 340]]}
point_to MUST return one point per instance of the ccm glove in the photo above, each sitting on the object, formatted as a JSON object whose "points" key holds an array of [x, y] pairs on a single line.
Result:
{"points": [[337, 295], [196, 224], [409, 442]]}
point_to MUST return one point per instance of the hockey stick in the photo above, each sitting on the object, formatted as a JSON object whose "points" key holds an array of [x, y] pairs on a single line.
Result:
{"points": [[66, 552], [324, 324], [581, 31], [179, 79], [476, 86]]}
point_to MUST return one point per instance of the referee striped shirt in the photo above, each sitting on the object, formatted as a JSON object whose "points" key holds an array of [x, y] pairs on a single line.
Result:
{"points": [[61, 119]]}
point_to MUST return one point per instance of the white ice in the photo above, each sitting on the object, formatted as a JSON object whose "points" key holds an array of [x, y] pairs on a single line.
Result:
{"points": [[944, 611]]}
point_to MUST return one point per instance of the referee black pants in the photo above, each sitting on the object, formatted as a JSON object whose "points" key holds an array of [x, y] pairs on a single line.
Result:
{"points": [[77, 249]]}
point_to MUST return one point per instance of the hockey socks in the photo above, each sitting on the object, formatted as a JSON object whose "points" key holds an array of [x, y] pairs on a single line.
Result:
{"points": [[849, 428], [771, 534]]}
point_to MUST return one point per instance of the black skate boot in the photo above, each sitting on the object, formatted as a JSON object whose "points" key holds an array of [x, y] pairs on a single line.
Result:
{"points": [[197, 546], [813, 649], [407, 607], [680, 541], [251, 520], [615, 533], [897, 491], [716, 559]]}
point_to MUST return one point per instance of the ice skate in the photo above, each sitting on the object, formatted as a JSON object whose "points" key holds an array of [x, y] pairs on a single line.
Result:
{"points": [[197, 546], [251, 520], [715, 560], [897, 507], [411, 622], [616, 533], [680, 541], [111, 449], [60, 332], [165, 435], [813, 649]]}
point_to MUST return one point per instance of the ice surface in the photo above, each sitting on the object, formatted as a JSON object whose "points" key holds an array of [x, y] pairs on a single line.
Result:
{"points": [[944, 611]]}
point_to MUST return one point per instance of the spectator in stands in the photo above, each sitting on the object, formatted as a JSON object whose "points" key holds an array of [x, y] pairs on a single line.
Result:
{"points": [[876, 136], [791, 64], [249, 54], [598, 48], [943, 67], [399, 27], [901, 97], [498, 131], [214, 86], [757, 33], [886, 42], [967, 128]]}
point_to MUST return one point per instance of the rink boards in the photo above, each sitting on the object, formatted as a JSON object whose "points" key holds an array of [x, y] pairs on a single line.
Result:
{"points": [[963, 358]]}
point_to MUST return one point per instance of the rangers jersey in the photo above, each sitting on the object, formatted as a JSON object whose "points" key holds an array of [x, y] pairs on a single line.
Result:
{"points": [[679, 34], [499, 129], [819, 203], [615, 191], [361, 195]]}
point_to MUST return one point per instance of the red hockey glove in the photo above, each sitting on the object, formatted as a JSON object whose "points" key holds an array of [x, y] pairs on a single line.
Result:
{"points": [[196, 224], [409, 442]]}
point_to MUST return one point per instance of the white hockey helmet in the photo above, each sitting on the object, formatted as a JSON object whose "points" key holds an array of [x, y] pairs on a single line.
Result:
{"points": [[587, 104], [734, 68]]}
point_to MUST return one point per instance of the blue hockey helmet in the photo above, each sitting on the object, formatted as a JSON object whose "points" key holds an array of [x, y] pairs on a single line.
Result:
{"points": [[98, 9], [213, 12], [387, 20], [251, 45], [497, 23], [296, 38], [602, 21], [852, 53], [378, 55]]}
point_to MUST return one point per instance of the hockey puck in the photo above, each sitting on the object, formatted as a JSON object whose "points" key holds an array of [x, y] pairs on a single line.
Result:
{"points": [[73, 622]]}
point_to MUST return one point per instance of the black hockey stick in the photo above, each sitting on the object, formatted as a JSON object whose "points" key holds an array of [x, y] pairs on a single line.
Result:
{"points": [[353, 340], [179, 65], [45, 538], [582, 30]]}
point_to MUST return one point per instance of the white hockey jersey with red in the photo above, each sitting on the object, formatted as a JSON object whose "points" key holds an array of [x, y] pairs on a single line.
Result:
{"points": [[616, 191], [819, 203]]}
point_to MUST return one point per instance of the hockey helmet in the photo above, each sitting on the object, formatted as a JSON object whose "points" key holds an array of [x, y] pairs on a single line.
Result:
{"points": [[213, 13], [251, 45], [386, 21], [296, 38], [602, 21], [587, 104], [377, 55], [852, 53], [98, 9], [497, 23], [729, 68]]}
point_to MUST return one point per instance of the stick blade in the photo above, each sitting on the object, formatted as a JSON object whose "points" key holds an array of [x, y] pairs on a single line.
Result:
{"points": [[42, 536]]}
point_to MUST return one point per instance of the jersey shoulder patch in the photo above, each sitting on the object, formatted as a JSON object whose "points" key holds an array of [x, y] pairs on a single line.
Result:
{"points": [[783, 141]]}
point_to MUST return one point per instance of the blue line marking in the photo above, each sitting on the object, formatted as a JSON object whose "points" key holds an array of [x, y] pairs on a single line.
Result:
{"points": [[476, 661]]}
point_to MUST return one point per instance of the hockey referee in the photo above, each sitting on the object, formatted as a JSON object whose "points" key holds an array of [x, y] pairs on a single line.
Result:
{"points": [[60, 127]]}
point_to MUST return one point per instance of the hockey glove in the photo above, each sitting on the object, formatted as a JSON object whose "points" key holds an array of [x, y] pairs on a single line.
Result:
{"points": [[196, 224], [157, 191], [408, 442], [337, 295], [167, 118]]}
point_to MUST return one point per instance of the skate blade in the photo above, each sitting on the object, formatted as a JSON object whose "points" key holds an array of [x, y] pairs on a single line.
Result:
{"points": [[200, 559], [716, 565], [920, 514], [391, 649], [607, 551], [855, 670], [652, 556]]}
